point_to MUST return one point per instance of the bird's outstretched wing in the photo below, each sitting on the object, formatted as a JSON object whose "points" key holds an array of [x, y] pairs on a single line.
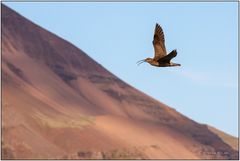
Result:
{"points": [[167, 58], [158, 43]]}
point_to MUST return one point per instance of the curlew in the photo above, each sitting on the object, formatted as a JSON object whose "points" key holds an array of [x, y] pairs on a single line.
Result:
{"points": [[161, 58]]}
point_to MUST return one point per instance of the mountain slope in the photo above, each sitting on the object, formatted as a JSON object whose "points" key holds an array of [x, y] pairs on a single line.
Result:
{"points": [[229, 139], [59, 103]]}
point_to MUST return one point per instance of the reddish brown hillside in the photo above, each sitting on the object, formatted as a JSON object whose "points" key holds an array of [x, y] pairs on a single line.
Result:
{"points": [[59, 103]]}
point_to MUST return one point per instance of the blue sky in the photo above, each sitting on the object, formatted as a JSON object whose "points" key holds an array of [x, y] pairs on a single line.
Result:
{"points": [[118, 34]]}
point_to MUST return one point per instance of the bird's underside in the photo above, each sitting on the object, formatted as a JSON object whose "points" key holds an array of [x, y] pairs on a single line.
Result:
{"points": [[161, 58], [166, 60]]}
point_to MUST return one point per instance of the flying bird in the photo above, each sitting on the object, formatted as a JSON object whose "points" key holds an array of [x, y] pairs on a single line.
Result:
{"points": [[161, 58]]}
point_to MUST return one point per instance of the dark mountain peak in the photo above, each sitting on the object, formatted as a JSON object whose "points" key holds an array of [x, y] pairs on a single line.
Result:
{"points": [[45, 46]]}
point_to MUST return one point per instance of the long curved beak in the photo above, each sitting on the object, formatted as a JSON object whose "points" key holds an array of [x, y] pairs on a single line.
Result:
{"points": [[140, 62]]}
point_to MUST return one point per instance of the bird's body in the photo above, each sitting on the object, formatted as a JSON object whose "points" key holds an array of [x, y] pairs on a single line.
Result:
{"points": [[157, 64], [161, 58]]}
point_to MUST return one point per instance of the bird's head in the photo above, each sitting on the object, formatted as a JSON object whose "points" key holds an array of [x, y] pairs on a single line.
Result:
{"points": [[144, 60]]}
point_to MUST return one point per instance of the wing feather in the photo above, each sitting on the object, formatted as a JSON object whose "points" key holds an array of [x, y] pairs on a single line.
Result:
{"points": [[158, 43], [167, 58]]}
